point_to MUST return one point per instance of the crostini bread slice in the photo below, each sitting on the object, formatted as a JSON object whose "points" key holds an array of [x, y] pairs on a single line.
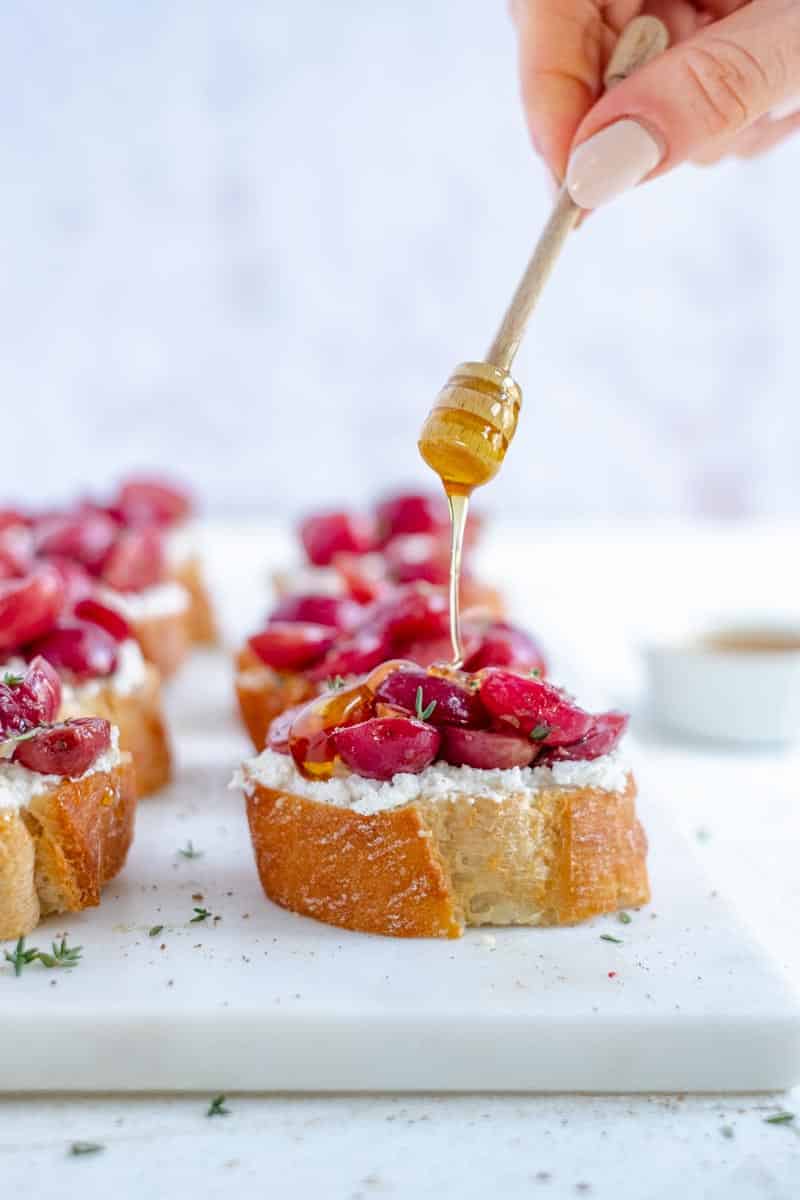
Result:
{"points": [[264, 693], [554, 856], [201, 623], [142, 728], [60, 849], [164, 639]]}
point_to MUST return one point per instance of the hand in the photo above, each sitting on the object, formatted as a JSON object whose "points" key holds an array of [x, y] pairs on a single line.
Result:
{"points": [[724, 87]]}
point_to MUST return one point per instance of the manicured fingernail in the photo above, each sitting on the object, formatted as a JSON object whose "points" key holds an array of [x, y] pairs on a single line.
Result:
{"points": [[611, 162], [787, 109]]}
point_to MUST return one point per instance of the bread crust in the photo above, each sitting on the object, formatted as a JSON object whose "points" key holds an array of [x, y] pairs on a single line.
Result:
{"points": [[142, 728], [58, 853], [164, 640], [264, 693], [428, 869], [200, 619]]}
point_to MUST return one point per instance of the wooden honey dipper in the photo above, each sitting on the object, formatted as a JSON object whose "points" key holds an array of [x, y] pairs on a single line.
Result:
{"points": [[468, 431]]}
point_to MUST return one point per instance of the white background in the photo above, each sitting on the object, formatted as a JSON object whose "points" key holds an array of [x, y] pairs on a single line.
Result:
{"points": [[248, 241]]}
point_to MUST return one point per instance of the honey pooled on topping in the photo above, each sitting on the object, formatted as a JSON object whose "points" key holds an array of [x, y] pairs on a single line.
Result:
{"points": [[310, 742]]}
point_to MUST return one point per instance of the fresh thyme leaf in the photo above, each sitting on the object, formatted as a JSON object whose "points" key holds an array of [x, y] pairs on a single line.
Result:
{"points": [[423, 713], [703, 835], [12, 680], [154, 930], [217, 1107], [624, 918], [79, 1148], [781, 1118], [727, 1131], [62, 956], [188, 851], [21, 957], [539, 733], [334, 683], [201, 914], [607, 937], [535, 673]]}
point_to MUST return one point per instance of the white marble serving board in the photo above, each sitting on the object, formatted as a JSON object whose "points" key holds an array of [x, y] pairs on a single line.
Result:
{"points": [[261, 999]]}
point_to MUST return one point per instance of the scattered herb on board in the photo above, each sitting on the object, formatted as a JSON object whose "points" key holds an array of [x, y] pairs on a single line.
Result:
{"points": [[21, 957], [200, 914], [703, 835], [217, 1107], [727, 1131], [608, 937], [12, 680], [77, 1149], [780, 1118], [62, 955], [188, 851], [624, 918], [539, 733], [423, 713], [334, 683], [154, 930]]}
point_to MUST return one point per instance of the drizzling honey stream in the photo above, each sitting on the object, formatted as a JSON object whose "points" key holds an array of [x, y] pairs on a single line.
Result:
{"points": [[468, 431]]}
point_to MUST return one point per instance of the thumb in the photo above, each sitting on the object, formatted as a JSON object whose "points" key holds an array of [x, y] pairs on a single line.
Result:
{"points": [[703, 91]]}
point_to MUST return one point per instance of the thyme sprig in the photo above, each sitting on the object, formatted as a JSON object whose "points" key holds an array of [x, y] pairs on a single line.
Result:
{"points": [[21, 958], [426, 711], [189, 851], [62, 956]]}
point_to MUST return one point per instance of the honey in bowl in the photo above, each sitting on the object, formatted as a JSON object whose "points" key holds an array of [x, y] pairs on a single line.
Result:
{"points": [[752, 641]]}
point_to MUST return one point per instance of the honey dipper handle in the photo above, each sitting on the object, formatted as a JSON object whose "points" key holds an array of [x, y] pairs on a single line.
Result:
{"points": [[640, 41]]}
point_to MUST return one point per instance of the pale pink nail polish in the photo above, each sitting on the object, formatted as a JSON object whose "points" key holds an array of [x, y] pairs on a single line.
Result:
{"points": [[611, 162]]}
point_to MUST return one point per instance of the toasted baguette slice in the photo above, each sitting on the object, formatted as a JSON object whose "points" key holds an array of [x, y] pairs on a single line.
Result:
{"points": [[164, 640], [554, 856], [202, 626], [142, 729], [57, 853], [264, 693]]}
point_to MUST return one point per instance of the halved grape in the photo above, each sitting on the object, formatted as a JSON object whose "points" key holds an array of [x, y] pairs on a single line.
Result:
{"points": [[532, 706], [603, 736], [337, 612], [325, 534], [150, 501], [292, 645], [504, 645], [68, 749], [107, 618], [486, 749], [135, 561], [84, 536], [85, 651], [383, 747], [426, 652], [29, 606], [311, 737], [280, 729], [355, 654], [364, 576], [38, 697], [411, 512], [78, 583], [419, 558], [452, 704], [412, 613], [16, 553]]}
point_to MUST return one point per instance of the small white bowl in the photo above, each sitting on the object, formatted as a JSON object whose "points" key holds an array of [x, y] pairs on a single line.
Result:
{"points": [[705, 687]]}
